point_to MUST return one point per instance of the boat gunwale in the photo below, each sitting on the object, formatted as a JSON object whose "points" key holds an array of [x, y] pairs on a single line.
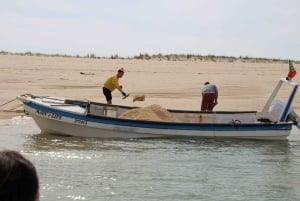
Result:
{"points": [[177, 110]]}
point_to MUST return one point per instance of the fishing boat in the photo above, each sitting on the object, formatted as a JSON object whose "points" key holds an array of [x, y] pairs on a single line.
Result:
{"points": [[85, 118]]}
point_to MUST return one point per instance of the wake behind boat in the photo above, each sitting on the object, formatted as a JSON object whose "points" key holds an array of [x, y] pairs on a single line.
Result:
{"points": [[92, 119]]}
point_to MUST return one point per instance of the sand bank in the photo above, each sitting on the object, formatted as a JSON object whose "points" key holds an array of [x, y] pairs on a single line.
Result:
{"points": [[170, 84]]}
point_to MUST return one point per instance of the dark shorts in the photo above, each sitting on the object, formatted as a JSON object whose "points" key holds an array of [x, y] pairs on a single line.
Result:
{"points": [[107, 94]]}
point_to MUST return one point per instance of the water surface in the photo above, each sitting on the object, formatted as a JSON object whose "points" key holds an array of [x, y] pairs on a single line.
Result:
{"points": [[73, 168]]}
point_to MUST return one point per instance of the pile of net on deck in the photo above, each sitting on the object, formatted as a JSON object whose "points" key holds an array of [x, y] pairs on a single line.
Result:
{"points": [[150, 113]]}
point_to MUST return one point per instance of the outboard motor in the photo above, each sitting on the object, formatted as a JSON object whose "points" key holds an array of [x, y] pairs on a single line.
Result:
{"points": [[294, 118], [276, 110]]}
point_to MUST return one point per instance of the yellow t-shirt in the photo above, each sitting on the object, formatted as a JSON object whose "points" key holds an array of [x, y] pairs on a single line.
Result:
{"points": [[112, 83]]}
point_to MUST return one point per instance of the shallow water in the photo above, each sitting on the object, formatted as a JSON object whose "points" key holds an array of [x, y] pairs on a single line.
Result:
{"points": [[157, 169]]}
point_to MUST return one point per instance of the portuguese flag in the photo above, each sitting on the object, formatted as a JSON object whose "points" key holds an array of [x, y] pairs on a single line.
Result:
{"points": [[292, 71]]}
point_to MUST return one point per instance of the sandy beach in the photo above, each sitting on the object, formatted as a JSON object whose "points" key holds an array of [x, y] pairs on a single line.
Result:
{"points": [[170, 84]]}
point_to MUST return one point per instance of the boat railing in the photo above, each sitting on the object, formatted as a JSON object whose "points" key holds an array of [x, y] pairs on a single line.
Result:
{"points": [[186, 116], [101, 109], [214, 117]]}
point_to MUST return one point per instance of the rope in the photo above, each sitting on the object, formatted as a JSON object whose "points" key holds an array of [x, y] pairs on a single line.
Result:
{"points": [[8, 102]]}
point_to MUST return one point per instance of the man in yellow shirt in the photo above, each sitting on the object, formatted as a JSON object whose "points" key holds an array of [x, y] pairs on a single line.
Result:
{"points": [[111, 84]]}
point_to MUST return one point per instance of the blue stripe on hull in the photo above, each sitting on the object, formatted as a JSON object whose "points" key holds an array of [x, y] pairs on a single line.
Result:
{"points": [[165, 125]]}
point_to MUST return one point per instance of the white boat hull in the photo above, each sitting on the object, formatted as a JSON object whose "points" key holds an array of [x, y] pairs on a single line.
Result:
{"points": [[66, 126]]}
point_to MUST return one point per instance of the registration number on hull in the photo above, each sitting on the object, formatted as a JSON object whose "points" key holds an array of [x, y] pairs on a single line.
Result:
{"points": [[49, 115]]}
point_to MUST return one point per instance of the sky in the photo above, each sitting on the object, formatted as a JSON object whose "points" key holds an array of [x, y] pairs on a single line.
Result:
{"points": [[252, 28]]}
